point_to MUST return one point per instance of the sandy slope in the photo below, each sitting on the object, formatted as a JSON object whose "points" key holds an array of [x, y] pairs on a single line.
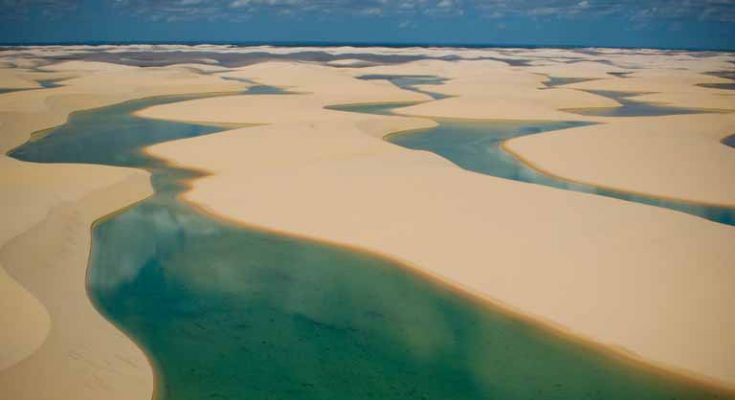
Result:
{"points": [[647, 280], [492, 90], [678, 88], [651, 281], [12, 79], [678, 157], [671, 157], [55, 345]]}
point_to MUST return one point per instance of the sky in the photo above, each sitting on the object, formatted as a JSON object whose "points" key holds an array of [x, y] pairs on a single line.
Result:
{"points": [[686, 24]]}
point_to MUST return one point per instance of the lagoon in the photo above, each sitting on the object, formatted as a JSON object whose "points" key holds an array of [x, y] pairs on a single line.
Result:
{"points": [[227, 311]]}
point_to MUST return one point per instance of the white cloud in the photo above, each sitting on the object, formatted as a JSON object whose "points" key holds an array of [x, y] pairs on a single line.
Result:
{"points": [[637, 10]]}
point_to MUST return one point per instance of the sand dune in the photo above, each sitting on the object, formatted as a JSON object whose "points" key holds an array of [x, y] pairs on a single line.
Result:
{"points": [[51, 331], [677, 157], [647, 280], [668, 86], [492, 90]]}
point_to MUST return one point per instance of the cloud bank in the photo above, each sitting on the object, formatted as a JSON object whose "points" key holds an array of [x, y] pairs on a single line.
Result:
{"points": [[49, 8], [702, 10]]}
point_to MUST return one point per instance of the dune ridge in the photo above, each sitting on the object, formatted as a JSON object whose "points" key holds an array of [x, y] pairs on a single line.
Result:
{"points": [[567, 258], [53, 331]]}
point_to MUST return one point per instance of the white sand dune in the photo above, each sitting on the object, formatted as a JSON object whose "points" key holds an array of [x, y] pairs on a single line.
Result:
{"points": [[675, 157], [55, 345], [651, 281]]}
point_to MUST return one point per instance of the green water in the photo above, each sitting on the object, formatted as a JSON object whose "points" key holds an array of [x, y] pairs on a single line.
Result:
{"points": [[227, 312], [476, 146]]}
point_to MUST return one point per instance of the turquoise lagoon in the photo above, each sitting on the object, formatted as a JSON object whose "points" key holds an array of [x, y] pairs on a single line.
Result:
{"points": [[229, 312], [477, 145]]}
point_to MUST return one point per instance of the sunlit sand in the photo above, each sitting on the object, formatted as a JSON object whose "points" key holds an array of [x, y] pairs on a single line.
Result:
{"points": [[645, 283]]}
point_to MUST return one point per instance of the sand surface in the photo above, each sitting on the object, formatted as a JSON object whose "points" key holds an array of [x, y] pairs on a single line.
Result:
{"points": [[648, 281], [652, 282], [492, 90], [55, 345], [677, 88], [678, 157]]}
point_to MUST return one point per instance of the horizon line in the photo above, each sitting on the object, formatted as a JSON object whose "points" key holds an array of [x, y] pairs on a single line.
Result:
{"points": [[358, 44]]}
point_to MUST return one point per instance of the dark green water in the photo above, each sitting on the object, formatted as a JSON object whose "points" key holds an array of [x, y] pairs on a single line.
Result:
{"points": [[476, 146], [227, 312]]}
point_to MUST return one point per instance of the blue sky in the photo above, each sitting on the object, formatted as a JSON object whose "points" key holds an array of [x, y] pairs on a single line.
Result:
{"points": [[626, 23]]}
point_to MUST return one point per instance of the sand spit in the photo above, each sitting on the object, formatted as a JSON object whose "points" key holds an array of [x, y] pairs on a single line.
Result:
{"points": [[651, 281], [55, 345]]}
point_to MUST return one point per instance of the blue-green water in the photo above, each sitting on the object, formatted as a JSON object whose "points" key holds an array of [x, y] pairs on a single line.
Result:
{"points": [[555, 81], [724, 86], [228, 312], [729, 141], [50, 83], [45, 84], [477, 146], [412, 82], [630, 108], [257, 88]]}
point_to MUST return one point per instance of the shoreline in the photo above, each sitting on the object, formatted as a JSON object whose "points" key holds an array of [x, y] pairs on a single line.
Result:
{"points": [[392, 188], [527, 162], [252, 209], [83, 355], [547, 326], [485, 302]]}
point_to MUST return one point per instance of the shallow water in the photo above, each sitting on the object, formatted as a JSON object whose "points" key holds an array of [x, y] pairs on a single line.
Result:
{"points": [[412, 81], [554, 81], [630, 108], [476, 146], [724, 86], [227, 312], [729, 141]]}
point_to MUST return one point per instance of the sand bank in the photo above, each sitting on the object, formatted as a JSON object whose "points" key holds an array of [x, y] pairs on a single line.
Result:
{"points": [[54, 343], [653, 282]]}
